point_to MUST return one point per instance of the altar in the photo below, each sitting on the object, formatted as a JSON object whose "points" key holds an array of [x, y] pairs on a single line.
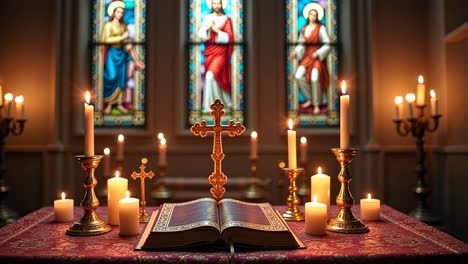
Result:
{"points": [[397, 238]]}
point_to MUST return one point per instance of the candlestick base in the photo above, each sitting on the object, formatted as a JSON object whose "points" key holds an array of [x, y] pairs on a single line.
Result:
{"points": [[89, 224], [293, 213], [254, 192], [345, 221], [161, 192]]}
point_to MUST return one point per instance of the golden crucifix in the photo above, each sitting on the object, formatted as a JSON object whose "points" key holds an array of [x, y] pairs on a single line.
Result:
{"points": [[144, 217], [217, 178]]}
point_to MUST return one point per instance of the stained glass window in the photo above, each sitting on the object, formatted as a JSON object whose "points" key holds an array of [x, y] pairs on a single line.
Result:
{"points": [[216, 58], [312, 62], [118, 62]]}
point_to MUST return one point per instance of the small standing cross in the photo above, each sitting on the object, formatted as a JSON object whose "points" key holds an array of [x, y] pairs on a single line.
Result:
{"points": [[217, 178], [144, 217]]}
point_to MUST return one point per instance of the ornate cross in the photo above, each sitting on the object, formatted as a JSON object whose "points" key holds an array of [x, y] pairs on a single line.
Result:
{"points": [[144, 217], [217, 178]]}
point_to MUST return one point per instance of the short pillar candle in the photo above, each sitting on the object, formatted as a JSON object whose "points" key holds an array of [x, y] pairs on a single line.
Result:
{"points": [[129, 216], [63, 209], [315, 218], [116, 188], [370, 208], [320, 188]]}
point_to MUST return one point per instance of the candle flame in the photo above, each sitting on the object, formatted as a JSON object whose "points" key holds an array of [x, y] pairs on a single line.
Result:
{"points": [[121, 138], [8, 97], [163, 141], [88, 97], [369, 196], [117, 174], [410, 97], [421, 79], [303, 140], [19, 99], [290, 124], [319, 170], [106, 151], [315, 198], [127, 194], [63, 196], [253, 134], [433, 93], [398, 100], [160, 135], [343, 87]]}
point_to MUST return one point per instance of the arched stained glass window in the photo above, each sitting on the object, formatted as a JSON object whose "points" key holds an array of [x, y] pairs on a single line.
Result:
{"points": [[312, 62], [118, 62], [216, 58]]}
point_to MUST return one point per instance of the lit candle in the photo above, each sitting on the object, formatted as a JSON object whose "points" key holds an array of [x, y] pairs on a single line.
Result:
{"points": [[89, 126], [253, 145], [19, 100], [370, 208], [420, 91], [434, 104], [315, 218], [8, 99], [292, 158], [162, 151], [129, 216], [303, 150], [398, 107], [410, 97], [344, 117], [116, 188], [106, 162], [320, 188], [63, 209], [120, 147], [160, 135], [1, 93]]}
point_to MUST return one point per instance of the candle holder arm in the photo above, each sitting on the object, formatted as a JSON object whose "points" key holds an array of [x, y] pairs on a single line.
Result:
{"points": [[402, 127], [435, 123], [17, 127]]}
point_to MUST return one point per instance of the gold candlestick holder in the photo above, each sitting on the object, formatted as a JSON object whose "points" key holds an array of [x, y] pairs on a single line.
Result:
{"points": [[161, 192], [304, 190], [254, 191], [293, 213], [90, 224], [345, 221]]}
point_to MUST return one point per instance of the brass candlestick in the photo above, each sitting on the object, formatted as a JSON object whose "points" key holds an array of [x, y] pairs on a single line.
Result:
{"points": [[418, 126], [89, 224], [293, 213], [345, 221], [254, 191], [15, 127], [144, 217], [161, 192], [304, 190]]}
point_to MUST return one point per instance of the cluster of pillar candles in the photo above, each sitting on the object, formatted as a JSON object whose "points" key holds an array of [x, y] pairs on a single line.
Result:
{"points": [[19, 101], [124, 211]]}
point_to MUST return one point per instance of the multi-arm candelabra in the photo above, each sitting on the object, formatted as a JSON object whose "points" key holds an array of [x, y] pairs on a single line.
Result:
{"points": [[418, 126], [15, 127]]}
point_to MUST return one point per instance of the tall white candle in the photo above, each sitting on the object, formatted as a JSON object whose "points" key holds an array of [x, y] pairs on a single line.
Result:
{"points": [[162, 151], [253, 145], [120, 147], [421, 91], [63, 209], [303, 150], [315, 218], [320, 188], [344, 117], [410, 97], [106, 162], [370, 209], [292, 158], [129, 216], [434, 104], [19, 100], [89, 126], [398, 107], [116, 188], [8, 99]]}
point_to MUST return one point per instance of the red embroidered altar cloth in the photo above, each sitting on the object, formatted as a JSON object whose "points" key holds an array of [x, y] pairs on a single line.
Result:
{"points": [[36, 238]]}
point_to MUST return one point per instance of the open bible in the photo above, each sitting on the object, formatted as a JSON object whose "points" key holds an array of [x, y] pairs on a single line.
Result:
{"points": [[205, 221]]}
